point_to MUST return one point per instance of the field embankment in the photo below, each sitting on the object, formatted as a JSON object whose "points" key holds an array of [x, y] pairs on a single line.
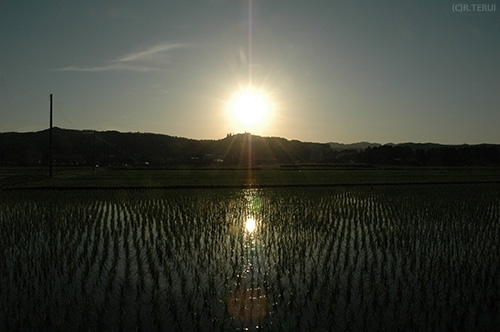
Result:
{"points": [[80, 178]]}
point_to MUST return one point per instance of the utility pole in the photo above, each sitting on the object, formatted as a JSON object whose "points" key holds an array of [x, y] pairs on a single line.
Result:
{"points": [[93, 153], [50, 139]]}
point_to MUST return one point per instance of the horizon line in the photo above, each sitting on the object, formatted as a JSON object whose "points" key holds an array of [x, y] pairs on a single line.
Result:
{"points": [[246, 133]]}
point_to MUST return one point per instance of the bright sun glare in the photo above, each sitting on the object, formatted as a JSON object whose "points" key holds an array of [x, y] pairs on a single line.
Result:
{"points": [[250, 108], [250, 225]]}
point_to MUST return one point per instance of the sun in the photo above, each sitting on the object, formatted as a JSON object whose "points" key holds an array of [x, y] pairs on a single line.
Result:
{"points": [[250, 109]]}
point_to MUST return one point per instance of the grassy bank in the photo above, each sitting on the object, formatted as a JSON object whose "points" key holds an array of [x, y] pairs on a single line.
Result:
{"points": [[143, 178]]}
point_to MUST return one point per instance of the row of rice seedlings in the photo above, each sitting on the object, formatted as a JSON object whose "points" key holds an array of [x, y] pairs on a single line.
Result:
{"points": [[379, 270]]}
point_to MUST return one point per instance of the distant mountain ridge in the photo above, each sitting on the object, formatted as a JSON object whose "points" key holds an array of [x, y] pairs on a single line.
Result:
{"points": [[88, 147]]}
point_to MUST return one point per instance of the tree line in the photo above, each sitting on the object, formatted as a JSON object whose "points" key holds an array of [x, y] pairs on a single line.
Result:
{"points": [[112, 148]]}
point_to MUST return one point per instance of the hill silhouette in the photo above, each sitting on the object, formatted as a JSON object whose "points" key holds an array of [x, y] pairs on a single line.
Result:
{"points": [[113, 148]]}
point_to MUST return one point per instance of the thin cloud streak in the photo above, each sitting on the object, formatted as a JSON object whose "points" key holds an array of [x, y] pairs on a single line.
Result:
{"points": [[137, 61], [112, 67], [149, 52]]}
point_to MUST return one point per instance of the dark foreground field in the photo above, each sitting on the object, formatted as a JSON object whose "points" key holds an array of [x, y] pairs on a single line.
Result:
{"points": [[274, 250], [382, 258]]}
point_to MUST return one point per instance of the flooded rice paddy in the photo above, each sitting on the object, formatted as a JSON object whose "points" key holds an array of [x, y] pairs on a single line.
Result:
{"points": [[280, 259]]}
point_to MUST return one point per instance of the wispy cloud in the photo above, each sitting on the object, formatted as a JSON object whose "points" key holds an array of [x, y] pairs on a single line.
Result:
{"points": [[154, 58], [111, 67], [148, 53]]}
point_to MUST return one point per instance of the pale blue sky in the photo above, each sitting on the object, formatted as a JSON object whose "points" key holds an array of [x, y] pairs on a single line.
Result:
{"points": [[344, 71]]}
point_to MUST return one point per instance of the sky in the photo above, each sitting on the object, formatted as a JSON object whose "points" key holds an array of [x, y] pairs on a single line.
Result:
{"points": [[334, 71]]}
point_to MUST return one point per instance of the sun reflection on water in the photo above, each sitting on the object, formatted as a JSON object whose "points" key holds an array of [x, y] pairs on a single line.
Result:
{"points": [[249, 302], [250, 225]]}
